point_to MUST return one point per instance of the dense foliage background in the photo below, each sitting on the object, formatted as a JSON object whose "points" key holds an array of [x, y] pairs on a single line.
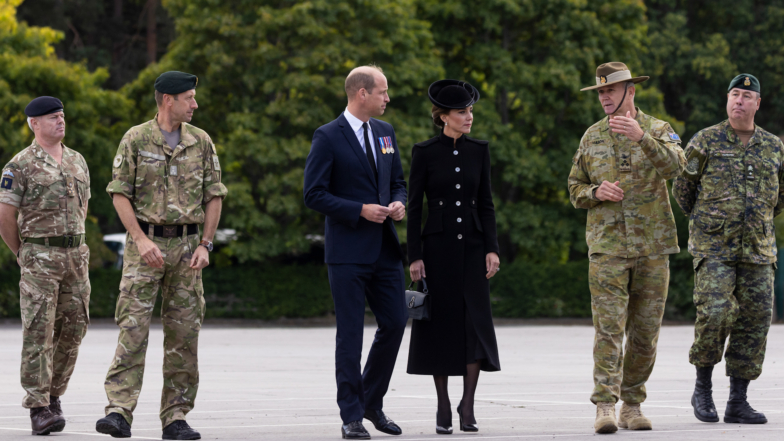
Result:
{"points": [[270, 72]]}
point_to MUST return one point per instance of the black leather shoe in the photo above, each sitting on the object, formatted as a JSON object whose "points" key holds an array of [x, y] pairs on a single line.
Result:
{"points": [[465, 427], [180, 430], [354, 430], [44, 422], [738, 409], [443, 430], [702, 399], [382, 423], [115, 425]]}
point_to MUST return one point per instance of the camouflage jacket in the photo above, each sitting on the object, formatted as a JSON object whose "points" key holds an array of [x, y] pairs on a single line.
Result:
{"points": [[642, 223], [731, 194], [51, 197], [165, 186]]}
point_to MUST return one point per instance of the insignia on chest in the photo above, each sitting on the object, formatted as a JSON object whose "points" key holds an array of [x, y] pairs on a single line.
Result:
{"points": [[726, 154], [598, 141], [625, 164]]}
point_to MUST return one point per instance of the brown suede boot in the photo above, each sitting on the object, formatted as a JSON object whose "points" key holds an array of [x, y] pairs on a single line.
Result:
{"points": [[605, 418], [45, 422], [633, 419]]}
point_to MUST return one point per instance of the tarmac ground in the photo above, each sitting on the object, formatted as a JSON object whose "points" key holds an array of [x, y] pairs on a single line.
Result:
{"points": [[277, 383]]}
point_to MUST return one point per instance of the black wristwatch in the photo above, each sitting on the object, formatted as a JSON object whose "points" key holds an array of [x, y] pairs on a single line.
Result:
{"points": [[206, 244]]}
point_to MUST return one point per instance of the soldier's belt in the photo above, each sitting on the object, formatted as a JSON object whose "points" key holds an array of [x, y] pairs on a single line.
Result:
{"points": [[60, 241], [169, 230]]}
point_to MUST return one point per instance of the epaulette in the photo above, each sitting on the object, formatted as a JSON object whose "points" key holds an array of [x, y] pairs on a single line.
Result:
{"points": [[477, 141], [430, 141]]}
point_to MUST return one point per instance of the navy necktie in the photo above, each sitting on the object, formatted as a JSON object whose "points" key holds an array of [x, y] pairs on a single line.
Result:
{"points": [[368, 148]]}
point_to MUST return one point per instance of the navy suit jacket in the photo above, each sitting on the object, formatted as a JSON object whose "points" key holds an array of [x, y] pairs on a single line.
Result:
{"points": [[339, 180]]}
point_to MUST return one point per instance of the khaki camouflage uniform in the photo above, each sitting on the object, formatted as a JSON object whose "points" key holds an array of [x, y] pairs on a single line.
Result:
{"points": [[54, 287], [629, 243], [731, 194], [165, 187]]}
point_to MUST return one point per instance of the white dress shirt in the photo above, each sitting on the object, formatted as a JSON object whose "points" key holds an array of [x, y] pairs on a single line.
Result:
{"points": [[356, 126]]}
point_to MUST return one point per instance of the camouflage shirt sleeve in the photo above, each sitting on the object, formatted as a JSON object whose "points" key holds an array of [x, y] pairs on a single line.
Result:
{"points": [[663, 149], [124, 169], [780, 203], [581, 189], [684, 187], [12, 185], [213, 187], [87, 193]]}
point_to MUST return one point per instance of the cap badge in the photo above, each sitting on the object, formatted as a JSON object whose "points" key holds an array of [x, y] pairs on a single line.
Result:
{"points": [[747, 82], [602, 79]]}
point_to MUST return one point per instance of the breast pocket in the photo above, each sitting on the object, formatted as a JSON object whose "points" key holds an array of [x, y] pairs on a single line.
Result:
{"points": [[601, 163], [191, 179], [150, 186], [435, 217], [768, 183], [718, 181], [45, 191], [82, 188]]}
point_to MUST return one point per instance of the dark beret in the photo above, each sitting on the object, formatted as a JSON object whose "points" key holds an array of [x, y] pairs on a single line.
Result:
{"points": [[452, 94], [174, 82], [745, 82], [43, 105]]}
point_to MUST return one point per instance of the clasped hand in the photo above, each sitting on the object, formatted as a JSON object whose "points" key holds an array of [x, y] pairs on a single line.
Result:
{"points": [[378, 213]]}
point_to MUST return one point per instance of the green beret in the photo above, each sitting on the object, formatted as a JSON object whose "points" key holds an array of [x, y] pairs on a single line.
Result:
{"points": [[174, 82], [745, 82]]}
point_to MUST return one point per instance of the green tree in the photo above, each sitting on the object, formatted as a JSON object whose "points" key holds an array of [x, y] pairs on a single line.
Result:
{"points": [[269, 75], [530, 60], [29, 68]]}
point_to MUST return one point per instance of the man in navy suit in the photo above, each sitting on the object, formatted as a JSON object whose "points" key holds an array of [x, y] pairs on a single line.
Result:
{"points": [[353, 176]]}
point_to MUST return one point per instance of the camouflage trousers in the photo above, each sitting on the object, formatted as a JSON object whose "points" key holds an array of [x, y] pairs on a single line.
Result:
{"points": [[54, 301], [733, 299], [627, 295], [182, 312]]}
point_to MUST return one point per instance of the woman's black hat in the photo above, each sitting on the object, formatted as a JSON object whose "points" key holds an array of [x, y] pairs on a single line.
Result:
{"points": [[452, 94]]}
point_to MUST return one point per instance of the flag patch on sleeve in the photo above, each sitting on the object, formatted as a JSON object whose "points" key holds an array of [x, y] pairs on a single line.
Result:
{"points": [[674, 137], [6, 183]]}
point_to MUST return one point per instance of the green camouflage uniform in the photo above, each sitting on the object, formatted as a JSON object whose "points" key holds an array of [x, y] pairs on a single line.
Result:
{"points": [[165, 187], [731, 194], [54, 287], [629, 243]]}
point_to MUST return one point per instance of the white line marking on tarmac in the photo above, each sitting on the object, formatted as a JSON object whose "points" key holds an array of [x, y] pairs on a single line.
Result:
{"points": [[75, 433]]}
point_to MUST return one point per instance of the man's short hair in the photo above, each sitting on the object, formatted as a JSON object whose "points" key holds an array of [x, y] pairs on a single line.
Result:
{"points": [[30, 122], [159, 98], [629, 84], [357, 80]]}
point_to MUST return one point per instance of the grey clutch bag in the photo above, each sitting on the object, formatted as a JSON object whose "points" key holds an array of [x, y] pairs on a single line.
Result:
{"points": [[418, 302]]}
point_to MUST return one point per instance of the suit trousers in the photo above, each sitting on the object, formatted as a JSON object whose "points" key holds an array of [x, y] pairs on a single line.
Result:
{"points": [[382, 283], [627, 296]]}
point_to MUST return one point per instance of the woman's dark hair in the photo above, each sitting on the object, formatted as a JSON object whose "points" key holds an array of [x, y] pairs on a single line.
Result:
{"points": [[437, 112]]}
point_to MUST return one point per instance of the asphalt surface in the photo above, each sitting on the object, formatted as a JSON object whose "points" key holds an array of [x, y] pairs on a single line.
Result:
{"points": [[273, 383]]}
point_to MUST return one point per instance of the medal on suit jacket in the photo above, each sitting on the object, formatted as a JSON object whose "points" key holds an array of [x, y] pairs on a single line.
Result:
{"points": [[386, 145]]}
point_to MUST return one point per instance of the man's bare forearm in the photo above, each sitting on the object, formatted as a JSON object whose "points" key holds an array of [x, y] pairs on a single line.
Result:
{"points": [[8, 228], [212, 214], [127, 216]]}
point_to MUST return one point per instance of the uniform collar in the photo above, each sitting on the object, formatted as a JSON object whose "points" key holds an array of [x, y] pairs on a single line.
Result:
{"points": [[449, 141], [354, 122], [186, 136], [40, 153], [734, 138]]}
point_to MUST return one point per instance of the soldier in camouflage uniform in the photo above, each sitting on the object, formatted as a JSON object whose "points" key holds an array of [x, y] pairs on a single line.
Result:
{"points": [[619, 175], [731, 191], [165, 182], [49, 185]]}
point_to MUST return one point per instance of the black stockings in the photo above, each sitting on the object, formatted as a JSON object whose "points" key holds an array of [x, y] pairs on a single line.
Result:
{"points": [[444, 408], [469, 389], [470, 381]]}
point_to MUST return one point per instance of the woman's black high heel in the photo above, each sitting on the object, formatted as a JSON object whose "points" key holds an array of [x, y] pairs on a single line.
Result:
{"points": [[465, 427], [443, 430]]}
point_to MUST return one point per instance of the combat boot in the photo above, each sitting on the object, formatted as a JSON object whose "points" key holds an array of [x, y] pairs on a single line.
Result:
{"points": [[45, 422], [738, 409], [605, 418], [702, 399], [632, 418]]}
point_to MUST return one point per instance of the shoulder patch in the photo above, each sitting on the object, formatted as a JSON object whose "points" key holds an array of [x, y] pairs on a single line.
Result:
{"points": [[430, 141], [674, 137], [117, 161], [694, 165], [6, 183], [478, 141]]}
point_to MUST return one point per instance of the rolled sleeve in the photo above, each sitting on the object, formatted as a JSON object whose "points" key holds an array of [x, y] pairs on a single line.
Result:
{"points": [[213, 187], [123, 170]]}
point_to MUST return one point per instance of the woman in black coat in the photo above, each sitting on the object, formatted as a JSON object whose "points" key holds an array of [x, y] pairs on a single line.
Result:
{"points": [[457, 252]]}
